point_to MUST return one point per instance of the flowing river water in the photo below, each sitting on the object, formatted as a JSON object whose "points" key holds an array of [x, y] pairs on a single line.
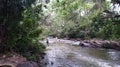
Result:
{"points": [[69, 55]]}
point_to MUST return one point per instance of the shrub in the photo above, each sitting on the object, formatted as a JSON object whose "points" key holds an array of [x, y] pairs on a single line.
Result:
{"points": [[19, 19]]}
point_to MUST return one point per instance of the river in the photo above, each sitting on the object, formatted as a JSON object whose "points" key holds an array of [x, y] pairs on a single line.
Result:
{"points": [[59, 54]]}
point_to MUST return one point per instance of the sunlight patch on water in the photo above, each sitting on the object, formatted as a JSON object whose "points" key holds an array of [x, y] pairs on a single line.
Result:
{"points": [[96, 61]]}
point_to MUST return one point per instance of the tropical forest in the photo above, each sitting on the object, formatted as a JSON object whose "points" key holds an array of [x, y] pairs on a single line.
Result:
{"points": [[59, 33]]}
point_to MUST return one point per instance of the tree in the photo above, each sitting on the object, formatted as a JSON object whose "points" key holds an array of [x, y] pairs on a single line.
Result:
{"points": [[20, 26], [86, 18]]}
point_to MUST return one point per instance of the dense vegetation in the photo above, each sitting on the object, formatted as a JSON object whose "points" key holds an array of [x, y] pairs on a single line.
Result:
{"points": [[19, 27], [83, 19], [24, 22]]}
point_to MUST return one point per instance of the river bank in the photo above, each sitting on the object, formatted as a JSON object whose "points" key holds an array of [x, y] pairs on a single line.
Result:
{"points": [[95, 43], [10, 59], [16, 60], [99, 43]]}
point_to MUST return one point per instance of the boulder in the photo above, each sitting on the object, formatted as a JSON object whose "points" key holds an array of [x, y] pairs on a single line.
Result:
{"points": [[83, 44]]}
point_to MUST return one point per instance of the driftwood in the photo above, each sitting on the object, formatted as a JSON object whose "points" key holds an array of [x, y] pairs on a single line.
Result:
{"points": [[100, 44]]}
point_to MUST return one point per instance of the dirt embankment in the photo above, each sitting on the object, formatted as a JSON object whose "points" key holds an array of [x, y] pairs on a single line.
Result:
{"points": [[16, 60]]}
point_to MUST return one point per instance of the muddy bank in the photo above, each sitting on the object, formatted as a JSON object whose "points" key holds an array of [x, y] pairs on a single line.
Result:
{"points": [[16, 60]]}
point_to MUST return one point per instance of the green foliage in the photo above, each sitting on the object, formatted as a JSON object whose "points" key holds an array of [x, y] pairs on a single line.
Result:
{"points": [[21, 27], [84, 19], [105, 28]]}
